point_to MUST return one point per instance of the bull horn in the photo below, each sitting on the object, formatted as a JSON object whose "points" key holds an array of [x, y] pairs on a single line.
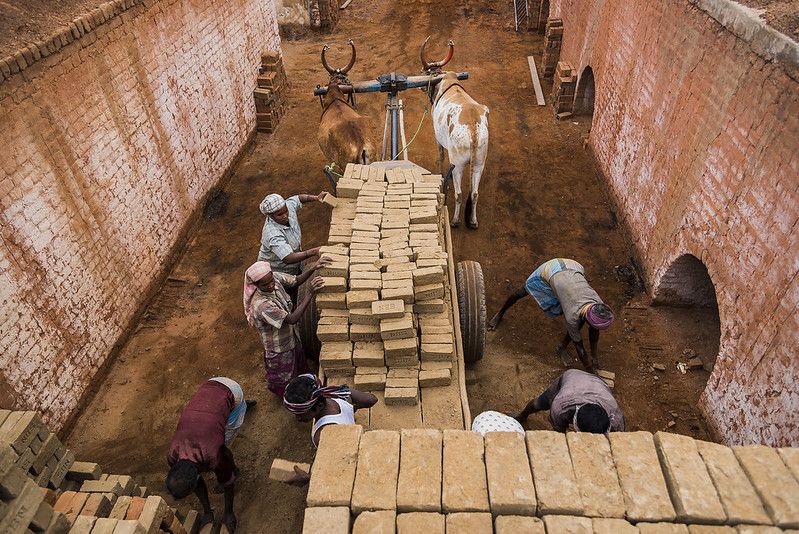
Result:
{"points": [[437, 64], [324, 61], [346, 69]]}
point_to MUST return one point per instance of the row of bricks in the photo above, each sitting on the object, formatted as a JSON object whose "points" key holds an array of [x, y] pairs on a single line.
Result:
{"points": [[406, 363], [25, 507], [25, 440], [336, 520], [152, 512], [28, 55], [632, 475]]}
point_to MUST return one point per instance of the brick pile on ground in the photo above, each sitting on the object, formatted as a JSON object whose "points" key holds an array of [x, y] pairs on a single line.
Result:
{"points": [[385, 319], [553, 38], [270, 95], [426, 480], [563, 88], [44, 490]]}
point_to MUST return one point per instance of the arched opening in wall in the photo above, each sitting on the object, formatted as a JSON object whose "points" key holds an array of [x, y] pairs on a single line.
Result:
{"points": [[584, 96], [687, 289]]}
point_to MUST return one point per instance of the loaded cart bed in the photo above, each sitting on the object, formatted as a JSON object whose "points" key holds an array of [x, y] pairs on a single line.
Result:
{"points": [[395, 316]]}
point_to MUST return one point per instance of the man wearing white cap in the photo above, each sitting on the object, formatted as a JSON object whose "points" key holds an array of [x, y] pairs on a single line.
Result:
{"points": [[281, 236]]}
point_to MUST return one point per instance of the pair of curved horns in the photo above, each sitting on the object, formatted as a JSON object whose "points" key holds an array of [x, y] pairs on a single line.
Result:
{"points": [[346, 69], [428, 65]]}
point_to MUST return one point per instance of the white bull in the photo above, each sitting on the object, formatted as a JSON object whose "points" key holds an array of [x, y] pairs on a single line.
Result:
{"points": [[461, 127]]}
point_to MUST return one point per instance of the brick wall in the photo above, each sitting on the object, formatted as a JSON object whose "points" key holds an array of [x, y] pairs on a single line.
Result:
{"points": [[696, 127], [108, 147]]}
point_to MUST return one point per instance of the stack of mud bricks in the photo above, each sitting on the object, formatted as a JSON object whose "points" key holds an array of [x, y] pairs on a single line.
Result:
{"points": [[552, 41], [456, 481], [385, 282], [563, 88], [538, 9], [270, 95], [323, 14], [44, 490]]}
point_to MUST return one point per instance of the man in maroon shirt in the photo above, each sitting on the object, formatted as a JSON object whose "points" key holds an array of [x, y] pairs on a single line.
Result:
{"points": [[207, 424]]}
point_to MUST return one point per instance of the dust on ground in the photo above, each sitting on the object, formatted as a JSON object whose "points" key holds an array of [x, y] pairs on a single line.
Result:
{"points": [[541, 196]]}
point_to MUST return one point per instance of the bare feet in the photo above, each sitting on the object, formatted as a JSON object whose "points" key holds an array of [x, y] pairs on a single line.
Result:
{"points": [[565, 357], [494, 322], [229, 520]]}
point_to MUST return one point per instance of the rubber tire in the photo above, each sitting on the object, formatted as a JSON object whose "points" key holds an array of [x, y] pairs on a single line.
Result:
{"points": [[308, 323], [472, 305]]}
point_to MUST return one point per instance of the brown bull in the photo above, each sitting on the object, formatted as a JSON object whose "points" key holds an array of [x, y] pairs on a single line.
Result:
{"points": [[343, 132]]}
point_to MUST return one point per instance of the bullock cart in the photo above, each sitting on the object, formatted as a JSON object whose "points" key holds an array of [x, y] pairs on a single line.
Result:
{"points": [[397, 316]]}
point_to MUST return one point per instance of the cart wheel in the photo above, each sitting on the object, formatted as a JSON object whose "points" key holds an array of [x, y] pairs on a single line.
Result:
{"points": [[308, 322], [472, 304]]}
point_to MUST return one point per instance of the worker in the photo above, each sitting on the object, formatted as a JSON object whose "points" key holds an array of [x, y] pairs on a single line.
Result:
{"points": [[490, 421], [281, 236], [207, 425], [580, 399], [269, 308], [308, 400], [560, 288]]}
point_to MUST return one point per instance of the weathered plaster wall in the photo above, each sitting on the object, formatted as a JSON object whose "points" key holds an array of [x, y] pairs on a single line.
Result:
{"points": [[696, 126], [108, 146]]}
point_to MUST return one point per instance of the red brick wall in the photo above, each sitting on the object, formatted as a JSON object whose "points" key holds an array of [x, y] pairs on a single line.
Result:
{"points": [[698, 136], [107, 147]]}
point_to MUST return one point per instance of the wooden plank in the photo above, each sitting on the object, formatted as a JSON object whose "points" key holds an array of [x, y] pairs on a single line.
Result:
{"points": [[539, 94]]}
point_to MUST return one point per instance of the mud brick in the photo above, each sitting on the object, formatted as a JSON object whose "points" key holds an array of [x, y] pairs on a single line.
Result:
{"points": [[102, 486], [361, 299], [19, 429], [469, 523], [155, 511], [436, 352], [406, 285], [333, 321], [403, 373], [368, 354], [557, 488], [428, 275], [43, 517], [598, 481], [359, 284], [401, 267], [363, 316], [365, 229], [17, 514], [283, 470], [329, 200], [429, 306], [64, 501], [335, 250], [62, 468], [404, 253], [36, 444], [403, 382], [191, 521], [348, 188], [50, 496], [370, 248], [369, 370], [339, 238], [379, 522], [83, 525], [710, 529], [406, 275], [563, 524], [690, 486], [435, 378], [431, 263], [404, 293], [335, 355], [419, 483], [392, 224], [394, 232], [334, 466], [790, 456], [437, 339], [333, 284], [773, 482], [75, 505], [418, 522], [378, 467], [46, 452], [365, 275], [464, 475], [510, 483], [429, 291], [328, 519], [404, 362], [643, 487], [370, 382], [129, 527], [385, 309], [331, 300], [25, 459], [397, 328], [435, 366], [400, 347], [424, 215], [661, 528], [437, 329], [603, 525], [332, 332], [3, 416], [401, 396], [135, 508], [516, 524], [752, 529], [339, 372], [97, 505], [120, 508], [365, 333], [12, 479]]}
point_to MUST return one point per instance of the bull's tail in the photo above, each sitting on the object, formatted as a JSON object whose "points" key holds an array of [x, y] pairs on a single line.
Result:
{"points": [[467, 212], [364, 158]]}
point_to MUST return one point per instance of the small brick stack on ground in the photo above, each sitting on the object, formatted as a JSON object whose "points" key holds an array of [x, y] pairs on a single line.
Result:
{"points": [[563, 88], [386, 279], [323, 14], [553, 37], [429, 480], [270, 95], [44, 490]]}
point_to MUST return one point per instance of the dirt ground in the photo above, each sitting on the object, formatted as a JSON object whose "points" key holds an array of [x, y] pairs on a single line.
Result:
{"points": [[541, 196]]}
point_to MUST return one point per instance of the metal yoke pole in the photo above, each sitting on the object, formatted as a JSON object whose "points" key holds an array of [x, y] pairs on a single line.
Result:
{"points": [[385, 134], [402, 130], [392, 98]]}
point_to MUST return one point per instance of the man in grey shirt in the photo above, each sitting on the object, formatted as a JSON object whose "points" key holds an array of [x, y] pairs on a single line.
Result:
{"points": [[580, 399], [281, 236], [560, 288]]}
